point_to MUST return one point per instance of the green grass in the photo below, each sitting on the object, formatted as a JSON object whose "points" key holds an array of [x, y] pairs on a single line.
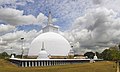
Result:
{"points": [[105, 66]]}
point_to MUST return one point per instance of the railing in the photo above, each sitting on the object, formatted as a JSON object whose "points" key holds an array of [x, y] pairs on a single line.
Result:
{"points": [[47, 62]]}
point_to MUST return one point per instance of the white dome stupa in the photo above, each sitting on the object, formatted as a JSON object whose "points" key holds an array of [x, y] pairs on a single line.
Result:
{"points": [[95, 57], [43, 54], [55, 44]]}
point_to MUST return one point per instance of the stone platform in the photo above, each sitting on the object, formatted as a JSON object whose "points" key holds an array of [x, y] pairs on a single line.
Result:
{"points": [[47, 62]]}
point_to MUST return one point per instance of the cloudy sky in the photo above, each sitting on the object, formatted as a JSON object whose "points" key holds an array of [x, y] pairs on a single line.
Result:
{"points": [[89, 25]]}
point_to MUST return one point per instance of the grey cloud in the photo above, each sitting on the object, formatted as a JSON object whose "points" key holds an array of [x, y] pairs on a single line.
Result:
{"points": [[97, 1], [15, 17], [98, 27], [13, 40], [6, 28]]}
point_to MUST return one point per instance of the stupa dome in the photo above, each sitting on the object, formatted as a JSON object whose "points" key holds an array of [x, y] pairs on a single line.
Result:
{"points": [[42, 55], [55, 44], [95, 57]]}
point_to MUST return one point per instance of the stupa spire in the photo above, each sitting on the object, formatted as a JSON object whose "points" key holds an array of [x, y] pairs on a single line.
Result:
{"points": [[50, 27], [42, 46], [49, 18], [43, 54]]}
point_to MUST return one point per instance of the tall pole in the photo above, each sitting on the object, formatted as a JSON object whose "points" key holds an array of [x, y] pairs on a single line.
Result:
{"points": [[119, 47], [117, 66], [118, 59], [22, 39], [11, 51]]}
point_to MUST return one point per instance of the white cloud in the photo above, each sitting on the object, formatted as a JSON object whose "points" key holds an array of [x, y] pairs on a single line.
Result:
{"points": [[6, 28], [14, 40], [99, 27], [15, 2], [96, 30], [41, 18], [113, 4], [15, 36], [15, 17], [54, 20], [110, 4], [23, 2], [7, 1]]}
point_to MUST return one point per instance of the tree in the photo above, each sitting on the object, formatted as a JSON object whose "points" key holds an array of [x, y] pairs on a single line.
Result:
{"points": [[89, 55], [98, 55], [119, 46], [106, 54], [3, 55], [111, 54]]}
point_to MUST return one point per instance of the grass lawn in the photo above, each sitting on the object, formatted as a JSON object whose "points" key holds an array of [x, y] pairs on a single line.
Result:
{"points": [[105, 66]]}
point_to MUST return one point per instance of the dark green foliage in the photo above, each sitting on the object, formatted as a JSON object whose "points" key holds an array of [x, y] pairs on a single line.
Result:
{"points": [[4, 55], [18, 56], [111, 54], [98, 55], [106, 54], [89, 55]]}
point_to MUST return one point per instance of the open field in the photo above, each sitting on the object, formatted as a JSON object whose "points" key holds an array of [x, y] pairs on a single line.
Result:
{"points": [[105, 66]]}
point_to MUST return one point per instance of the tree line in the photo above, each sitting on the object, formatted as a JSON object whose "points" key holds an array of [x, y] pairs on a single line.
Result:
{"points": [[5, 55], [112, 53]]}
